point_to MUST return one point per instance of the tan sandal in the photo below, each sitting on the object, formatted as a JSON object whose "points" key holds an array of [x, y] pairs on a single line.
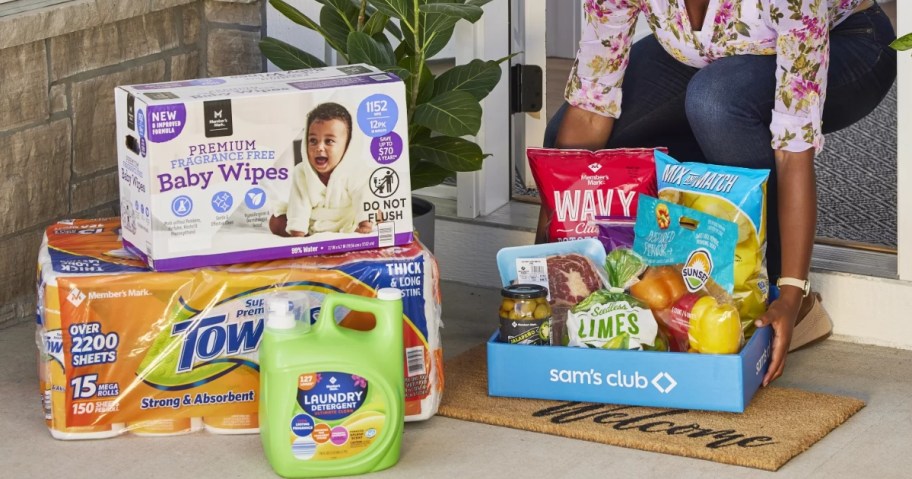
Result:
{"points": [[814, 327]]}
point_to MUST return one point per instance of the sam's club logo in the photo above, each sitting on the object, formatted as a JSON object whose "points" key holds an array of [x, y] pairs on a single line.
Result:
{"points": [[664, 382], [697, 269]]}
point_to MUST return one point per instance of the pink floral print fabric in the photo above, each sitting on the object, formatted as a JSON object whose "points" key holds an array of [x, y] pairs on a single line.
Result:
{"points": [[796, 31]]}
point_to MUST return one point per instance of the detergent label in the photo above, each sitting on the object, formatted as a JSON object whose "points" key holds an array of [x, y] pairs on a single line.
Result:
{"points": [[337, 415], [331, 395]]}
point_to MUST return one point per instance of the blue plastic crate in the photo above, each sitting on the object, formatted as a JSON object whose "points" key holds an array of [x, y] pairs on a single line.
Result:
{"points": [[714, 382]]}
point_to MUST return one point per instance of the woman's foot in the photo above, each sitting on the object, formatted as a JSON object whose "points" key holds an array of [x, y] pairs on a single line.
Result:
{"points": [[813, 325]]}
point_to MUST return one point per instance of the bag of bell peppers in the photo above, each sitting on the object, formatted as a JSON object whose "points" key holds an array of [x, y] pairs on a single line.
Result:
{"points": [[735, 194], [689, 279]]}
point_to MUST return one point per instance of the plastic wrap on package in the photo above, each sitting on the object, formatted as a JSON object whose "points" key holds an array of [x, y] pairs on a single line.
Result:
{"points": [[125, 349]]}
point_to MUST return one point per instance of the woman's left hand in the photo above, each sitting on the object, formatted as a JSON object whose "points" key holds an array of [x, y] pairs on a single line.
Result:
{"points": [[782, 315]]}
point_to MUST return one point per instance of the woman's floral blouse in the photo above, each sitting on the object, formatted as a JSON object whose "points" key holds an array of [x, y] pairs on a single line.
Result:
{"points": [[796, 31]]}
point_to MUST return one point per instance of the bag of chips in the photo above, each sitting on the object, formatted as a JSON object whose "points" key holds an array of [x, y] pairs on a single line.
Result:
{"points": [[578, 185]]}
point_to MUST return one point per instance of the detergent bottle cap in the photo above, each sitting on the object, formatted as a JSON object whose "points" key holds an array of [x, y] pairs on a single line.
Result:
{"points": [[389, 294], [280, 314]]}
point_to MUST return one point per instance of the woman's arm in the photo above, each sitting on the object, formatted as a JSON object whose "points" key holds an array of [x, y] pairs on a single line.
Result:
{"points": [[579, 129], [797, 197], [594, 87], [802, 52]]}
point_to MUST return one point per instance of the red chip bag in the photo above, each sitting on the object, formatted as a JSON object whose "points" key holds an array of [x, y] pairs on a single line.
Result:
{"points": [[578, 185]]}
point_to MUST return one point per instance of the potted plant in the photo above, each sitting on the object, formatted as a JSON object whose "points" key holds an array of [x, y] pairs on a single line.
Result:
{"points": [[400, 36]]}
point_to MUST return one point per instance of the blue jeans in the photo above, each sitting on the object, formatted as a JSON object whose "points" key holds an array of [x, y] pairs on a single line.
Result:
{"points": [[721, 113]]}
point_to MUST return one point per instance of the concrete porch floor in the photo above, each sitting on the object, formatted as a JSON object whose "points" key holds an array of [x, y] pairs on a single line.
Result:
{"points": [[876, 442]]}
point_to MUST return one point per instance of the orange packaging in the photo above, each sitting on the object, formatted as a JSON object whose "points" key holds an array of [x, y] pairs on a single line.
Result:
{"points": [[123, 348]]}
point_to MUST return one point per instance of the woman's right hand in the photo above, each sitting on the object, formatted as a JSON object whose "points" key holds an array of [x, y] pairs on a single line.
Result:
{"points": [[583, 129]]}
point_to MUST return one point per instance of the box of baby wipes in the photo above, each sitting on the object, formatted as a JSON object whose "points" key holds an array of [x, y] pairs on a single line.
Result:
{"points": [[263, 166]]}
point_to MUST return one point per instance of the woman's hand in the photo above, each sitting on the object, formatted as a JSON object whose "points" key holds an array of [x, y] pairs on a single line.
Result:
{"points": [[782, 315], [797, 195]]}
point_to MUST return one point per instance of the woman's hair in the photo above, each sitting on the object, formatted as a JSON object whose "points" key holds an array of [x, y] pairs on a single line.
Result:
{"points": [[331, 111]]}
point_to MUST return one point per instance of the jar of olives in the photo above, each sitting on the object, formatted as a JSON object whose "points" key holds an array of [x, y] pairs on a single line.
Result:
{"points": [[525, 315]]}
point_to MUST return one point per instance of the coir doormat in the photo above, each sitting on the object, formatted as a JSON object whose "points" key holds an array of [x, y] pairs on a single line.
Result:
{"points": [[778, 424]]}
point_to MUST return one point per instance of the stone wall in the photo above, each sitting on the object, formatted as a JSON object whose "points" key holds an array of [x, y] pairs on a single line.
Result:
{"points": [[58, 70]]}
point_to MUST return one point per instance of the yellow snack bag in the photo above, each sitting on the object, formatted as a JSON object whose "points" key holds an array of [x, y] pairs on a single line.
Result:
{"points": [[734, 194]]}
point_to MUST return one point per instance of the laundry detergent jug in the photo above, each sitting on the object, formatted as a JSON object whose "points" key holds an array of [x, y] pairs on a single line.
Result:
{"points": [[332, 398]]}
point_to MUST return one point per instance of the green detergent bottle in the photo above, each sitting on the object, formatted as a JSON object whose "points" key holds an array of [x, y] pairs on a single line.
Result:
{"points": [[332, 398]]}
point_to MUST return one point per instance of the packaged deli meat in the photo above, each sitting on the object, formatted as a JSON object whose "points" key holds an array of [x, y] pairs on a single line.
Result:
{"points": [[571, 270]]}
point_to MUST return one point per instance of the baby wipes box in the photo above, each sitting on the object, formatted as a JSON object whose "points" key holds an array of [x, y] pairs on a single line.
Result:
{"points": [[123, 349], [264, 166]]}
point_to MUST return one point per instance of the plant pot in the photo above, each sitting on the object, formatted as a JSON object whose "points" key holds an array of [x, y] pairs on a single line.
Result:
{"points": [[423, 215]]}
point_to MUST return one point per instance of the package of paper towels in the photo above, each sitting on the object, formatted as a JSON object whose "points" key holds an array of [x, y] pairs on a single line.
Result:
{"points": [[126, 349]]}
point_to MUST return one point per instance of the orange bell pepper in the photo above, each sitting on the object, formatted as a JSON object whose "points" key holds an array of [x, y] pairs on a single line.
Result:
{"points": [[660, 287]]}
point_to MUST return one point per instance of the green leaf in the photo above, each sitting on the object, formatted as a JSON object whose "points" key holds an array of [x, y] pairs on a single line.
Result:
{"points": [[403, 51], [742, 28], [453, 113], [375, 24], [471, 13], [454, 154], [400, 9], [425, 81], [425, 174], [288, 57], [400, 72], [364, 49], [342, 5], [337, 28], [394, 30], [903, 43], [438, 42], [384, 42], [437, 23], [477, 77], [296, 16], [478, 3]]}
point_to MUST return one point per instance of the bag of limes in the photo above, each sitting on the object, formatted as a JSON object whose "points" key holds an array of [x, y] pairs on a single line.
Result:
{"points": [[734, 194]]}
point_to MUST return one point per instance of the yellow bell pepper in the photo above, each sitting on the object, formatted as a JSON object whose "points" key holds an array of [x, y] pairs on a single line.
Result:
{"points": [[714, 328]]}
